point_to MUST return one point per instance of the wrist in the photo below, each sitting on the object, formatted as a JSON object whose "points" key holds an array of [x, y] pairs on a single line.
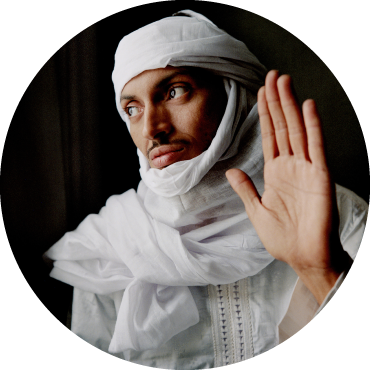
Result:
{"points": [[321, 280]]}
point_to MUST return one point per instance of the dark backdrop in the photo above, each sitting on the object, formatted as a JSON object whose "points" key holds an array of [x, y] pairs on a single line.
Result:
{"points": [[67, 149]]}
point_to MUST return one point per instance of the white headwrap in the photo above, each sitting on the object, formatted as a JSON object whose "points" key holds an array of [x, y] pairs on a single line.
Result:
{"points": [[185, 226], [194, 42]]}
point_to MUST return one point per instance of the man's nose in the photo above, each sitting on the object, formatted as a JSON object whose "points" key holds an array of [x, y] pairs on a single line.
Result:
{"points": [[157, 122]]}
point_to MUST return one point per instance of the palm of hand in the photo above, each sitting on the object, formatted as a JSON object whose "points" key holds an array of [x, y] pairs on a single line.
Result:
{"points": [[297, 211]]}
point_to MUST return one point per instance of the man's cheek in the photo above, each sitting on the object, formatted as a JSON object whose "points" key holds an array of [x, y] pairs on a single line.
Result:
{"points": [[139, 142]]}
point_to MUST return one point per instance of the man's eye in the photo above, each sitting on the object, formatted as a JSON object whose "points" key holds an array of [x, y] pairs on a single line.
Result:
{"points": [[176, 92], [132, 111]]}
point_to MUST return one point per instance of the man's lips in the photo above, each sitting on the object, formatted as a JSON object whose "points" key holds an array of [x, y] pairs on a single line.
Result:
{"points": [[165, 155]]}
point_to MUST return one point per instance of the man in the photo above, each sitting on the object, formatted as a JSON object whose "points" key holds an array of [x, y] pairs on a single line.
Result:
{"points": [[178, 275]]}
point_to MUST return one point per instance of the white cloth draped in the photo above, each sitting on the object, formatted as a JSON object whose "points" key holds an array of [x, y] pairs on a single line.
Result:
{"points": [[194, 42], [185, 226]]}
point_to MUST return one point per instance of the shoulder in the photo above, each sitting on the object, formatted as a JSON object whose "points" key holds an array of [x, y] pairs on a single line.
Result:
{"points": [[352, 218], [346, 197], [352, 208]]}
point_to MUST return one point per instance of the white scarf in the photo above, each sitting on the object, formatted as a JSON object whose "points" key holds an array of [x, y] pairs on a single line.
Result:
{"points": [[155, 245]]}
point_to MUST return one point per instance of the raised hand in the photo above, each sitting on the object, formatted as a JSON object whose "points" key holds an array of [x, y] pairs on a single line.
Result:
{"points": [[296, 218]]}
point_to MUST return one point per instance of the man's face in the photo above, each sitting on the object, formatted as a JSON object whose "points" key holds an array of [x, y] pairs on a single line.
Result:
{"points": [[174, 113]]}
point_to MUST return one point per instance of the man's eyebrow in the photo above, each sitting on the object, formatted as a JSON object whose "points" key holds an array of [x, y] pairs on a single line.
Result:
{"points": [[127, 97], [160, 83], [167, 79]]}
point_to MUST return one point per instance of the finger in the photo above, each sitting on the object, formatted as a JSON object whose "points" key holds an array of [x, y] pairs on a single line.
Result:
{"points": [[315, 139], [293, 116], [244, 187], [269, 146], [277, 114]]}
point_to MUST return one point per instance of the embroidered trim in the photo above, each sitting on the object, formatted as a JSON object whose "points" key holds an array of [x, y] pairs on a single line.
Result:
{"points": [[231, 322]]}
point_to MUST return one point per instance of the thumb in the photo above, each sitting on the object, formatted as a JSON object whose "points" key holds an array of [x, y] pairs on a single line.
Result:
{"points": [[244, 187]]}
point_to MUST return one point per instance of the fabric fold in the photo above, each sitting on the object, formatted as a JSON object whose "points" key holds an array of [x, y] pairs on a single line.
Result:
{"points": [[157, 265], [171, 310]]}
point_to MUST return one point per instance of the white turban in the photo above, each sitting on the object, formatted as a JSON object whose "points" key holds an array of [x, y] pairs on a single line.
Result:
{"points": [[195, 42], [196, 231]]}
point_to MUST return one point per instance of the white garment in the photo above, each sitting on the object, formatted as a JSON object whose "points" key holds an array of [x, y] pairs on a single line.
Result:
{"points": [[263, 305]]}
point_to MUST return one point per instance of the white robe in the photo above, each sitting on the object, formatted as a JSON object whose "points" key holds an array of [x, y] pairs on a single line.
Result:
{"points": [[266, 319]]}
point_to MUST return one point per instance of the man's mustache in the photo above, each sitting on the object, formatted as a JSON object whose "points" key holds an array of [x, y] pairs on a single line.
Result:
{"points": [[158, 143]]}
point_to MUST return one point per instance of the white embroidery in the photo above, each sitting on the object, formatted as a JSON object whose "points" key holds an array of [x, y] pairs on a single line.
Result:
{"points": [[231, 322]]}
